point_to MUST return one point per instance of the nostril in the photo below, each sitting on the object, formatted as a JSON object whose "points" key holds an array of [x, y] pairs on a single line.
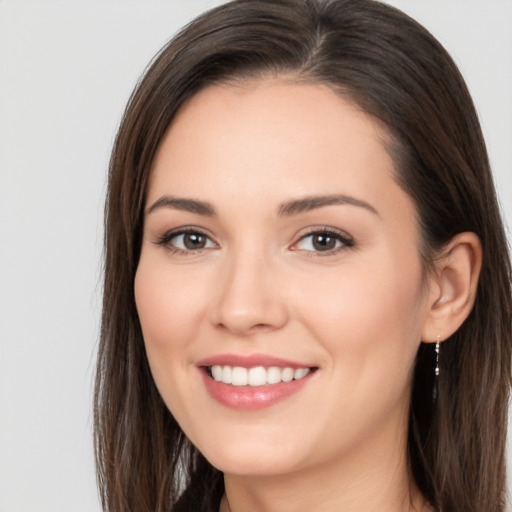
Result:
{"points": [[262, 326], [245, 328]]}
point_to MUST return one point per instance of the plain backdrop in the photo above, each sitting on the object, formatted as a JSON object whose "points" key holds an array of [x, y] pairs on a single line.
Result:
{"points": [[66, 71]]}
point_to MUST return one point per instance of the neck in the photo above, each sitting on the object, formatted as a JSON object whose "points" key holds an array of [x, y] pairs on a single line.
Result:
{"points": [[374, 480], [320, 497]]}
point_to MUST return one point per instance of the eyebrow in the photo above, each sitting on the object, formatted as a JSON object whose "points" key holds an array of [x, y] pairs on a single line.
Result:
{"points": [[187, 205], [305, 204], [286, 209]]}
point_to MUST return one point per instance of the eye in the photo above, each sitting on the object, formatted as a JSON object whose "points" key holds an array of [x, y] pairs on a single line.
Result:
{"points": [[186, 241], [323, 241]]}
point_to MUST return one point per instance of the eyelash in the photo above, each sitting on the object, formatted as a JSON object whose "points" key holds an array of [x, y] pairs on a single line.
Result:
{"points": [[345, 240], [165, 241]]}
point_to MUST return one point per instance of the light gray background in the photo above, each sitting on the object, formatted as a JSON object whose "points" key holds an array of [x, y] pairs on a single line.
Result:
{"points": [[66, 71]]}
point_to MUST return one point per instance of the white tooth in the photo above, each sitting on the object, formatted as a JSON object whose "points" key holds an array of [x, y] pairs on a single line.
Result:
{"points": [[217, 373], [273, 375], [257, 376], [226, 374], [301, 372], [287, 374], [239, 376]]}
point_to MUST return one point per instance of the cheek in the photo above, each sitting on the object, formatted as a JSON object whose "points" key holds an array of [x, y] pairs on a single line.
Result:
{"points": [[169, 305], [370, 315], [368, 320]]}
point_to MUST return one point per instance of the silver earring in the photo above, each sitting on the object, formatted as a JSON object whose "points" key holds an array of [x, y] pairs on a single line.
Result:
{"points": [[436, 371], [435, 391]]}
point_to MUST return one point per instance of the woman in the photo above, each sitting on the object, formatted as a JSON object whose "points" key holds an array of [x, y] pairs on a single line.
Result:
{"points": [[307, 298]]}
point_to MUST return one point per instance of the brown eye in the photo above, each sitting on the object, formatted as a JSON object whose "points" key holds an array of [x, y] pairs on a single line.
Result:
{"points": [[194, 241], [186, 241], [322, 242]]}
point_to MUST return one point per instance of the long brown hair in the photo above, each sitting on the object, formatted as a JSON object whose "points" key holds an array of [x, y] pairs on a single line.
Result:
{"points": [[394, 70]]}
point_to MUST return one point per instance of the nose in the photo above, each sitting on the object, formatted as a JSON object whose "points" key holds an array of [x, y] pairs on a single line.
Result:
{"points": [[249, 296]]}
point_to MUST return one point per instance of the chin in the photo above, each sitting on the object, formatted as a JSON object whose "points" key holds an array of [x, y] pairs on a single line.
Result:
{"points": [[251, 459], [242, 466]]}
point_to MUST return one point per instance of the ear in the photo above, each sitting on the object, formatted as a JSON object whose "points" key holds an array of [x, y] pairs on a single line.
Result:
{"points": [[452, 287]]}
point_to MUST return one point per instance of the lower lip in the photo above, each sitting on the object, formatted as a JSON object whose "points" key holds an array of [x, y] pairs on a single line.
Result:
{"points": [[252, 398]]}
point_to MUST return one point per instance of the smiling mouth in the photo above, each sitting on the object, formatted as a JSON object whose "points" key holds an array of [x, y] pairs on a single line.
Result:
{"points": [[256, 376]]}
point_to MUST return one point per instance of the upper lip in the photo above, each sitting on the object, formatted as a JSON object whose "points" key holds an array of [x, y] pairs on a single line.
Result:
{"points": [[250, 361]]}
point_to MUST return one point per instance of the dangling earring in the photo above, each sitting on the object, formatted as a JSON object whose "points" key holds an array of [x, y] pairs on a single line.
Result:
{"points": [[436, 371], [435, 391]]}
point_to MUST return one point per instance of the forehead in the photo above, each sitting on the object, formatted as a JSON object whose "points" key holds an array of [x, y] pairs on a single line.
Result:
{"points": [[271, 108], [254, 146]]}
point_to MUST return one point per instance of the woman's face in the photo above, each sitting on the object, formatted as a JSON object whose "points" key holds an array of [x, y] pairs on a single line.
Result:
{"points": [[278, 246]]}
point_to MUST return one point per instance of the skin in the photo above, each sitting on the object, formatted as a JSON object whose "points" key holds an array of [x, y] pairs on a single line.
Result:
{"points": [[259, 285]]}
